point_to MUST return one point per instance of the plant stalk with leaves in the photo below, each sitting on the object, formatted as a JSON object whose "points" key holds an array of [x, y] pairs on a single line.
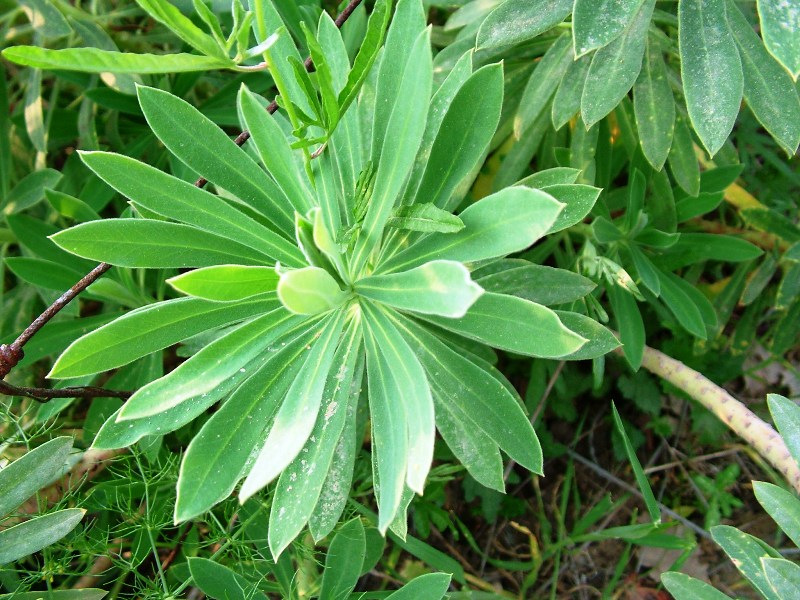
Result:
{"points": [[351, 274]]}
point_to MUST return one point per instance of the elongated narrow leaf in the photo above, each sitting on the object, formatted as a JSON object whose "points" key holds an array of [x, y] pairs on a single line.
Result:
{"points": [[412, 390], [514, 324], [342, 563], [297, 414], [367, 53], [638, 472], [600, 340], [783, 575], [786, 415], [425, 218], [217, 457], [440, 287], [151, 244], [46, 18], [711, 70], [206, 370], [684, 587], [537, 283], [517, 21], [149, 329], [402, 139], [567, 100], [22, 478], [306, 474], [437, 111], [471, 445], [217, 159], [768, 89], [578, 201], [596, 23], [482, 401], [431, 586], [782, 506], [779, 22], [389, 422], [615, 67], [226, 282], [682, 305], [33, 535], [176, 199], [746, 552], [542, 84], [682, 159], [274, 150], [336, 489], [463, 138], [30, 190], [166, 13], [654, 108], [94, 60], [408, 22], [505, 222], [630, 325], [218, 581]]}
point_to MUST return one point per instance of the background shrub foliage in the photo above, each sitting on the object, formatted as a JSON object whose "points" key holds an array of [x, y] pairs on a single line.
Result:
{"points": [[294, 313]]}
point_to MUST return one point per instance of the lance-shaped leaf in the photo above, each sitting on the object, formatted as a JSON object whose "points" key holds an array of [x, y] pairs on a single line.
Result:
{"points": [[343, 562], [218, 581], [578, 201], [176, 199], [782, 506], [600, 340], [440, 287], [211, 366], [516, 21], [150, 244], [746, 552], [779, 23], [483, 402], [710, 69], [463, 138], [94, 60], [33, 535], [273, 148], [615, 68], [505, 222], [412, 390], [783, 575], [516, 325], [149, 329], [367, 53], [298, 412], [541, 85], [598, 22], [654, 107], [22, 478], [426, 218], [402, 139], [300, 481], [310, 291], [684, 587], [217, 159], [431, 586], [166, 13], [389, 426], [226, 282], [217, 457], [768, 89]]}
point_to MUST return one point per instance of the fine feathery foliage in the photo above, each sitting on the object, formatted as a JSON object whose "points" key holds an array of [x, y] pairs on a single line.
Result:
{"points": [[330, 279]]}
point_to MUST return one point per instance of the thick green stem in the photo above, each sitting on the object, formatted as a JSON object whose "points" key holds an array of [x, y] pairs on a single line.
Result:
{"points": [[744, 422]]}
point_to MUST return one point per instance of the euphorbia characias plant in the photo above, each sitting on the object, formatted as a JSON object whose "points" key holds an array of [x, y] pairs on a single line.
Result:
{"points": [[326, 279]]}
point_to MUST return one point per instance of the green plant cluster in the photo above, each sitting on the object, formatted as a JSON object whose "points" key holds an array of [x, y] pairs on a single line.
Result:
{"points": [[459, 224]]}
